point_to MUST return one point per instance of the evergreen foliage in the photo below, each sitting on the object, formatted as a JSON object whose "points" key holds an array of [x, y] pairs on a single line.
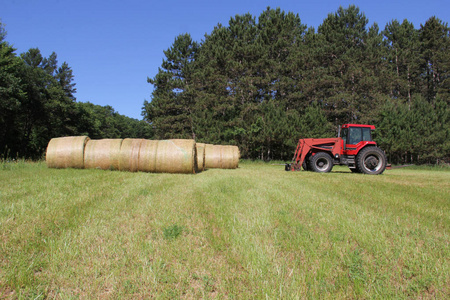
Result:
{"points": [[262, 83], [172, 100], [257, 82]]}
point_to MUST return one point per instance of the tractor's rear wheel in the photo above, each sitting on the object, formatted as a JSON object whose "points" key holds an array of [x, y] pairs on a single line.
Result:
{"points": [[371, 160], [321, 162]]}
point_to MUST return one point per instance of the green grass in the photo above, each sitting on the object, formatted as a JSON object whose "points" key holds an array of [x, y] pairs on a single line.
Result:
{"points": [[256, 232]]}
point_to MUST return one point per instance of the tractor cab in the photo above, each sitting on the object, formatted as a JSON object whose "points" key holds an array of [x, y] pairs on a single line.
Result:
{"points": [[355, 136]]}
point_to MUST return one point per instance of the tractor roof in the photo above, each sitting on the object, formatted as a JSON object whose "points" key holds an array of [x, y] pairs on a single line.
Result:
{"points": [[372, 127]]}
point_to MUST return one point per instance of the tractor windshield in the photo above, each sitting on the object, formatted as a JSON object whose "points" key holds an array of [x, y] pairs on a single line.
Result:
{"points": [[358, 134]]}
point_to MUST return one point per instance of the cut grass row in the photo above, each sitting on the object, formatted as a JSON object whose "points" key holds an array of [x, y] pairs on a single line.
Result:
{"points": [[254, 232]]}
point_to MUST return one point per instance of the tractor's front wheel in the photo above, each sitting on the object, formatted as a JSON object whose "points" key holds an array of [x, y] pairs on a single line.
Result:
{"points": [[321, 162], [371, 160]]}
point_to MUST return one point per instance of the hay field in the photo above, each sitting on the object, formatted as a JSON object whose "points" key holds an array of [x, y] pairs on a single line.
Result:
{"points": [[256, 232]]}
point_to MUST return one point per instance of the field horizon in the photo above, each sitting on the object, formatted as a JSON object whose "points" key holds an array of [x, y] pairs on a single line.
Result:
{"points": [[253, 232]]}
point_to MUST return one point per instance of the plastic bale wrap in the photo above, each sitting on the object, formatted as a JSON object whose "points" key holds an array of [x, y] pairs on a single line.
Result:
{"points": [[66, 152], [200, 156], [222, 157], [129, 155], [102, 154], [168, 156]]}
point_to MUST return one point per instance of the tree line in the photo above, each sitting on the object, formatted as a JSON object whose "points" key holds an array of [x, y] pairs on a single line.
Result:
{"points": [[259, 83], [37, 103], [263, 83]]}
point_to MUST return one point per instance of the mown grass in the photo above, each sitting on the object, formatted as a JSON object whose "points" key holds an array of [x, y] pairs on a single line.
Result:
{"points": [[255, 232]]}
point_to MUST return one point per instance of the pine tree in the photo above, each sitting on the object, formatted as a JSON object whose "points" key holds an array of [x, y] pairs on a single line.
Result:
{"points": [[46, 110], [11, 95], [227, 82], [402, 45], [170, 109], [435, 49], [65, 78], [348, 89], [244, 68]]}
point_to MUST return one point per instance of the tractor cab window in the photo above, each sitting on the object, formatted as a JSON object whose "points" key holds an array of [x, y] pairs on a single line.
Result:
{"points": [[358, 134], [355, 136], [367, 134]]}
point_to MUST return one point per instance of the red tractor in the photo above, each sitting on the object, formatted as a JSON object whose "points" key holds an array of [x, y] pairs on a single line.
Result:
{"points": [[353, 147]]}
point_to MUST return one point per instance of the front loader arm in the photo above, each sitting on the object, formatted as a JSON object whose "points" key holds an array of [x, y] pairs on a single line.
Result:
{"points": [[332, 146]]}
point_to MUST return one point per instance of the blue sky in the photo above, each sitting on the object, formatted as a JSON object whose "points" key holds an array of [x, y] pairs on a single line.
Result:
{"points": [[113, 46]]}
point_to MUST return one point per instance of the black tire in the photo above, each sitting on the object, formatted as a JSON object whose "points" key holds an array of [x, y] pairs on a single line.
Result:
{"points": [[321, 162], [371, 160]]}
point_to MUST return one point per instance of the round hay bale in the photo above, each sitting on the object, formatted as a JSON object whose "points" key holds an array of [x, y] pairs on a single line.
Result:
{"points": [[148, 156], [232, 156], [102, 154], [200, 156], [66, 152], [129, 155], [222, 157], [211, 157], [168, 156], [235, 156]]}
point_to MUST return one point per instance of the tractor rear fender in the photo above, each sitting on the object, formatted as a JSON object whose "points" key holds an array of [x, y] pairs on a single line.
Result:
{"points": [[354, 149]]}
